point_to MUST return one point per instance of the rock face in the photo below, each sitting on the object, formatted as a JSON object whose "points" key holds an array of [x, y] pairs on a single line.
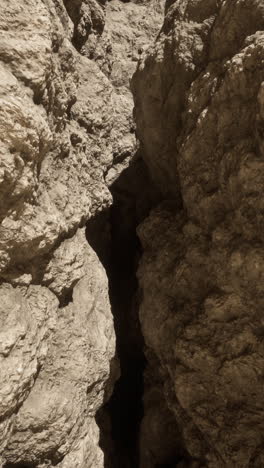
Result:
{"points": [[56, 365], [69, 149], [57, 336], [199, 112], [66, 133], [129, 29]]}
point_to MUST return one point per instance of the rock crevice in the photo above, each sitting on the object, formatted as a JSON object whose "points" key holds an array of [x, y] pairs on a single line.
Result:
{"points": [[131, 234]]}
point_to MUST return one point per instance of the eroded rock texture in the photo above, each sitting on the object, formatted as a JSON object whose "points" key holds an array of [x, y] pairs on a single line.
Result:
{"points": [[57, 337], [199, 112], [66, 133]]}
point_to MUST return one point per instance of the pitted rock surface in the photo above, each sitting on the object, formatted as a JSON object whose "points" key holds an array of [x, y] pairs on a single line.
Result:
{"points": [[62, 124], [67, 132], [199, 101]]}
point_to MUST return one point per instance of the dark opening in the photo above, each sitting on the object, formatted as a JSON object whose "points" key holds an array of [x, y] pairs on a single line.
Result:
{"points": [[19, 465], [173, 463], [126, 406], [113, 236]]}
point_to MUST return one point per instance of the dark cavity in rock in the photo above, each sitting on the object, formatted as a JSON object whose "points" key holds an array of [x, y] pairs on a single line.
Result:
{"points": [[113, 236]]}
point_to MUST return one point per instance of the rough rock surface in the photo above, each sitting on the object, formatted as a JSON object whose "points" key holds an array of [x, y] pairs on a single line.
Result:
{"points": [[57, 337], [66, 128], [129, 29], [199, 112], [65, 368], [66, 134]]}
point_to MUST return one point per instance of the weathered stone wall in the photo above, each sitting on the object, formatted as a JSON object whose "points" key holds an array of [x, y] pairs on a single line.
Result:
{"points": [[66, 134], [65, 121], [199, 112], [57, 337]]}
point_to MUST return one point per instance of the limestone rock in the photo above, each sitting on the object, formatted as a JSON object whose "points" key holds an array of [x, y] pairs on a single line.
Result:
{"points": [[199, 100], [56, 418], [57, 338], [46, 189], [66, 133], [28, 319], [129, 30]]}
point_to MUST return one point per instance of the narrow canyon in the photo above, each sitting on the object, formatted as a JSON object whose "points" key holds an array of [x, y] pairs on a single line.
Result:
{"points": [[131, 233]]}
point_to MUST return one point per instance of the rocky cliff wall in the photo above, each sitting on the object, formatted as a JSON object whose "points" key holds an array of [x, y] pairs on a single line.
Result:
{"points": [[66, 132], [57, 337], [71, 169], [199, 113]]}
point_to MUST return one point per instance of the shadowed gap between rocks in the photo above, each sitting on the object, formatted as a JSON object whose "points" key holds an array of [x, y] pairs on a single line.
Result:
{"points": [[19, 465], [112, 234]]}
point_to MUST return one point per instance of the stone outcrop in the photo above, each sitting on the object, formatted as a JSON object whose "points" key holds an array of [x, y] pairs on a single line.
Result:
{"points": [[56, 365], [79, 170], [129, 29], [199, 112], [57, 336], [66, 133]]}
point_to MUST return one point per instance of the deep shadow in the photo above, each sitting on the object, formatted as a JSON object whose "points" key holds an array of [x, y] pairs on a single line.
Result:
{"points": [[125, 406], [113, 236], [172, 463], [19, 465]]}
